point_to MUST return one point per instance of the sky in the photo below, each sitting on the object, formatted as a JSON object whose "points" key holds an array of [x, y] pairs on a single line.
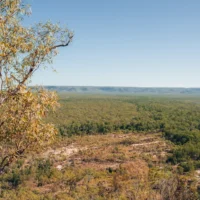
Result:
{"points": [[139, 43]]}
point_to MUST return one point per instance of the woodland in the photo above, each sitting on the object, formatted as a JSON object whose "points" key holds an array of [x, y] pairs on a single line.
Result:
{"points": [[65, 145]]}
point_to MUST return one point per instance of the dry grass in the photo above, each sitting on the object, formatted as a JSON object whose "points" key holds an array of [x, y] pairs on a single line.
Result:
{"points": [[114, 166]]}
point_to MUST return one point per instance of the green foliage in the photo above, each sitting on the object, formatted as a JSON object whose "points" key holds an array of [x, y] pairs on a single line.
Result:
{"points": [[14, 179], [44, 171], [178, 118]]}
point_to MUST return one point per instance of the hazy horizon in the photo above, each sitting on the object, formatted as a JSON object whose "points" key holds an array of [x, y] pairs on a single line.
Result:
{"points": [[118, 86]]}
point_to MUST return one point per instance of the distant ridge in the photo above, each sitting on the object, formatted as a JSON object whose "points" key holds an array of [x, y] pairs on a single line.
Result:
{"points": [[123, 90]]}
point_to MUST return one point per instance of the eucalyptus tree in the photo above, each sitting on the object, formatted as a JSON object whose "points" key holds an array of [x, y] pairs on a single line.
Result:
{"points": [[23, 50]]}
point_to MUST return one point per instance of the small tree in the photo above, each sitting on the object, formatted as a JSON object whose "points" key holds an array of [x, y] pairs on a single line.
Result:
{"points": [[22, 51]]}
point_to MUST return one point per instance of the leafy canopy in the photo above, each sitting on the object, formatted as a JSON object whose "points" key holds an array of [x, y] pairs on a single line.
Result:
{"points": [[23, 50]]}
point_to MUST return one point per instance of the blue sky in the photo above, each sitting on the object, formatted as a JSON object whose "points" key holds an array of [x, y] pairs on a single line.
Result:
{"points": [[124, 42]]}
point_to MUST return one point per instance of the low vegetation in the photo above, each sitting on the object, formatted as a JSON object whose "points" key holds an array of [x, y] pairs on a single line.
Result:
{"points": [[113, 147], [177, 118], [112, 166]]}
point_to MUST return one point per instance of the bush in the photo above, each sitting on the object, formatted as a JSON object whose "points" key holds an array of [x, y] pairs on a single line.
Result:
{"points": [[15, 178]]}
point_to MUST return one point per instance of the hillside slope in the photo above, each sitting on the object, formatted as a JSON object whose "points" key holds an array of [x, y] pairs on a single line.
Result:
{"points": [[104, 167]]}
